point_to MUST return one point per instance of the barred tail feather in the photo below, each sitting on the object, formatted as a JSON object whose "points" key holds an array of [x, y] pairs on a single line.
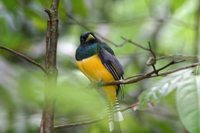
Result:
{"points": [[118, 114], [114, 117], [111, 126], [110, 118]]}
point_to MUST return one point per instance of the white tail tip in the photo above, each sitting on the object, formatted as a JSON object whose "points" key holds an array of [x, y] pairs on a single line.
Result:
{"points": [[118, 116], [111, 126]]}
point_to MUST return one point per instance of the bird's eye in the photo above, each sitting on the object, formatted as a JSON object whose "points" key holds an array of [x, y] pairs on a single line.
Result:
{"points": [[89, 38], [82, 40]]}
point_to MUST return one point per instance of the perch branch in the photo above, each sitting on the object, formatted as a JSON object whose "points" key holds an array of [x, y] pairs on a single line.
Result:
{"points": [[178, 69], [152, 74], [25, 57]]}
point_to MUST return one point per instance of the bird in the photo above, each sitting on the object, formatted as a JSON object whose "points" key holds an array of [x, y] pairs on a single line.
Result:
{"points": [[97, 61]]}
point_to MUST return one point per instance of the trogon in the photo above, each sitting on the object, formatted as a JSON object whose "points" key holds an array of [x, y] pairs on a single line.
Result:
{"points": [[98, 62]]}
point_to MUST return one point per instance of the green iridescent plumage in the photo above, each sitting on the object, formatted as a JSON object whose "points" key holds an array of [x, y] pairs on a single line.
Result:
{"points": [[85, 51]]}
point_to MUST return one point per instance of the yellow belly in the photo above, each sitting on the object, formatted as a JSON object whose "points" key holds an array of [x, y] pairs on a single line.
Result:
{"points": [[93, 68]]}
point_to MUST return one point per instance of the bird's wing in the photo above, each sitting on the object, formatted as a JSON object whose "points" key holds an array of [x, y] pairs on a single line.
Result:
{"points": [[111, 63]]}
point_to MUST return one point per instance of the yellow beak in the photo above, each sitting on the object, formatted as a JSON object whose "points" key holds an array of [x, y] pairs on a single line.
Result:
{"points": [[90, 37]]}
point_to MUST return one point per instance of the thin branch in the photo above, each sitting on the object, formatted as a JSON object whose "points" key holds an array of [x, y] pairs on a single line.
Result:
{"points": [[132, 106], [87, 28], [152, 74], [134, 43], [105, 39], [139, 78], [77, 124], [152, 59], [25, 57], [151, 51], [178, 69], [178, 57]]}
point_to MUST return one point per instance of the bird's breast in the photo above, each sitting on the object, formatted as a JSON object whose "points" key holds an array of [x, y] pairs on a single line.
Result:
{"points": [[93, 68]]}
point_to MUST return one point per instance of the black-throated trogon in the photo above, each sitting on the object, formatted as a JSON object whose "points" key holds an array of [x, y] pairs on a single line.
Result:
{"points": [[98, 62]]}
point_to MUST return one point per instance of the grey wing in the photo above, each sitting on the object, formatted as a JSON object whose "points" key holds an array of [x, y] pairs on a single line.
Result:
{"points": [[111, 63]]}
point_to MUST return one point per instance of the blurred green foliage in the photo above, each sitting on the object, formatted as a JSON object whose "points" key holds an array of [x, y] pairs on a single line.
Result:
{"points": [[168, 24], [188, 94]]}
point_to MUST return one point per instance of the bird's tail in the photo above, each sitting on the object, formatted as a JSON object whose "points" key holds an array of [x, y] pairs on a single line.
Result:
{"points": [[117, 114], [114, 117]]}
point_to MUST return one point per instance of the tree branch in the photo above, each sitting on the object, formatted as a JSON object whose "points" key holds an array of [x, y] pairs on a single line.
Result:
{"points": [[152, 74], [178, 69], [47, 122], [77, 124], [134, 43], [132, 106], [25, 57], [87, 28], [178, 57]]}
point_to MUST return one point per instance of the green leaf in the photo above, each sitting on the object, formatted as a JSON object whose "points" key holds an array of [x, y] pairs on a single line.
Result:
{"points": [[188, 104], [176, 4], [163, 88], [11, 5]]}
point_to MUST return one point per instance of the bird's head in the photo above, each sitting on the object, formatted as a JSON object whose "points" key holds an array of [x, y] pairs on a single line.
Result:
{"points": [[88, 38]]}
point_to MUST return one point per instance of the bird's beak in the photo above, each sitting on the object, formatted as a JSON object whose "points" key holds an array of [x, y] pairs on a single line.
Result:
{"points": [[90, 37]]}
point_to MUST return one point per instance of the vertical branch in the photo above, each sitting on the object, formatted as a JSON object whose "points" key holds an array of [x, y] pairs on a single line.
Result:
{"points": [[50, 65], [52, 37]]}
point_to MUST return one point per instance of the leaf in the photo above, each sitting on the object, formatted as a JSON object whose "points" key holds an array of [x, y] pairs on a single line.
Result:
{"points": [[188, 103], [176, 4], [163, 88], [11, 5]]}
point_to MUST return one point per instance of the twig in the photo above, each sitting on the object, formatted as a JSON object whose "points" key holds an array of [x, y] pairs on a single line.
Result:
{"points": [[178, 69], [134, 43], [152, 60], [77, 124], [87, 28], [178, 57], [25, 57], [103, 38], [131, 80], [132, 106]]}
